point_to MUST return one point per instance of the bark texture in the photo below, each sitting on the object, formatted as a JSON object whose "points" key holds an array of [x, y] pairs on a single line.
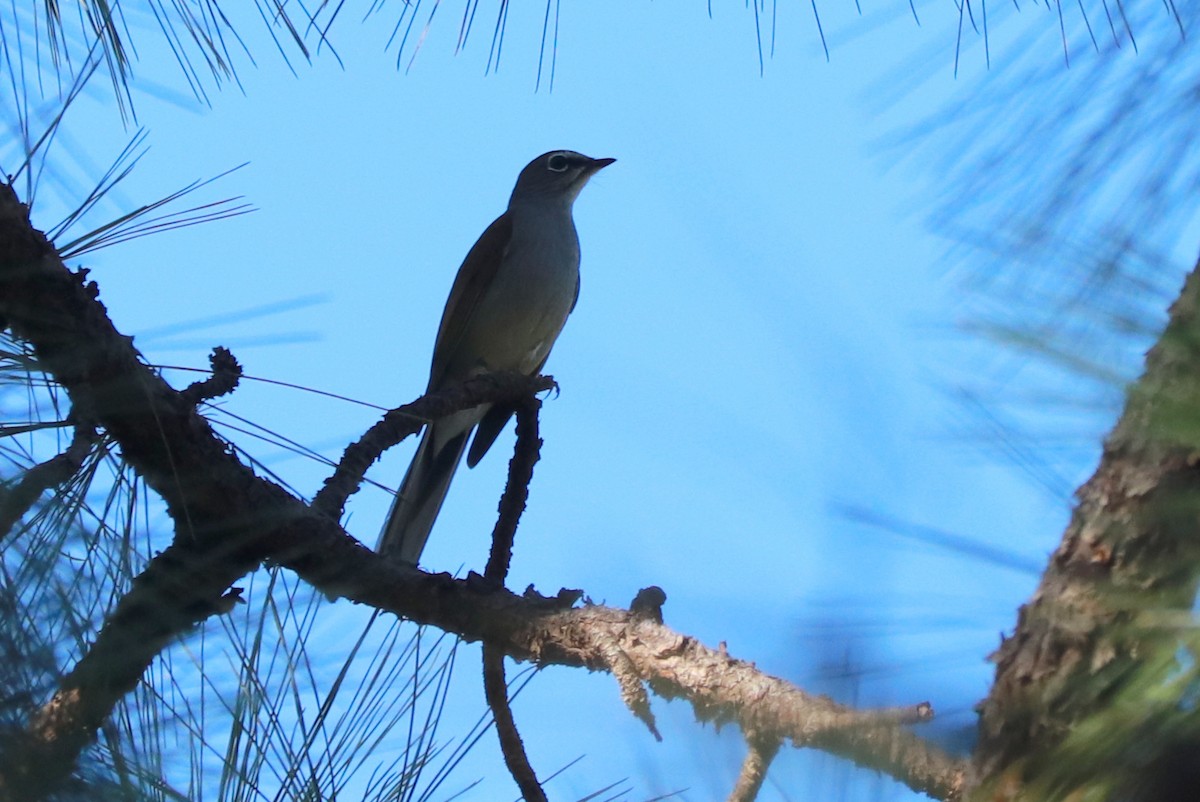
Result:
{"points": [[1119, 586]]}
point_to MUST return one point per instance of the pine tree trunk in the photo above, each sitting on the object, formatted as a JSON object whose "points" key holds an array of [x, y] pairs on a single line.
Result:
{"points": [[1080, 684]]}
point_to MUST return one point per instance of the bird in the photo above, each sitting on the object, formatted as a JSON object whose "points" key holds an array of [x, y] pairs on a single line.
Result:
{"points": [[509, 301]]}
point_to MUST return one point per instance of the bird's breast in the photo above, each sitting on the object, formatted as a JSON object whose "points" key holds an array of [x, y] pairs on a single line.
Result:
{"points": [[519, 319]]}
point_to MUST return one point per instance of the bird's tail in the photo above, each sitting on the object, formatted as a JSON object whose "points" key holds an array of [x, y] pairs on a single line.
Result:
{"points": [[420, 497]]}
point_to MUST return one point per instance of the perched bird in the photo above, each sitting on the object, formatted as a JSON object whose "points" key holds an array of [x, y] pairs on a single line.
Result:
{"points": [[509, 301]]}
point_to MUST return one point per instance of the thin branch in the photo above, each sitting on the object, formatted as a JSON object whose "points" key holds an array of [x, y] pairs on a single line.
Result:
{"points": [[516, 491], [15, 502], [226, 373], [512, 504], [495, 689], [399, 423], [754, 768]]}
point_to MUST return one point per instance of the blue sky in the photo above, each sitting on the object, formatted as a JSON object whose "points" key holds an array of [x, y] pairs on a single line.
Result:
{"points": [[765, 334]]}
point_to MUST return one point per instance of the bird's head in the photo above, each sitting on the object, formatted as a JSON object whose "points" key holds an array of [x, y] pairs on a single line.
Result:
{"points": [[557, 175]]}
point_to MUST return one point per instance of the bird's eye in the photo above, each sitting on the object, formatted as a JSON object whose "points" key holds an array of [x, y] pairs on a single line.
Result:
{"points": [[558, 163]]}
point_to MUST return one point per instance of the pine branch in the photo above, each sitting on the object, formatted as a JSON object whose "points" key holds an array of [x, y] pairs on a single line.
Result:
{"points": [[226, 373], [406, 420], [228, 521], [495, 689], [516, 490], [16, 501], [754, 768]]}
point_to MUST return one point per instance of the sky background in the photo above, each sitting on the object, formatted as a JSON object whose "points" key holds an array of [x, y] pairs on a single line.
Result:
{"points": [[767, 335]]}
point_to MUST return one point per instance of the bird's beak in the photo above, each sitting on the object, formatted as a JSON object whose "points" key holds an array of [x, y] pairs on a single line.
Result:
{"points": [[599, 164]]}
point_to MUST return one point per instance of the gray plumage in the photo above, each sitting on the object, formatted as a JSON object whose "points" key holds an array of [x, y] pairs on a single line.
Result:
{"points": [[510, 299]]}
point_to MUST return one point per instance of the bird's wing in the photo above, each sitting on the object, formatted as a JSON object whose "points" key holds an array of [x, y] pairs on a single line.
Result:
{"points": [[474, 277]]}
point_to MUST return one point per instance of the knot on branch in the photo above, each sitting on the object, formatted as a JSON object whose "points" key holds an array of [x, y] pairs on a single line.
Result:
{"points": [[226, 373], [90, 288], [647, 604], [565, 599], [228, 601]]}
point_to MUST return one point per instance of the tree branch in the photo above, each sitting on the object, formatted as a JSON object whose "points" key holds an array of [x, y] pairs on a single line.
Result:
{"points": [[228, 520], [495, 689], [399, 423], [516, 490], [761, 751], [512, 505], [16, 502]]}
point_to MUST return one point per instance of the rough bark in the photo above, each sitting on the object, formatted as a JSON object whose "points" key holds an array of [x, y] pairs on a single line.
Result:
{"points": [[1119, 585]]}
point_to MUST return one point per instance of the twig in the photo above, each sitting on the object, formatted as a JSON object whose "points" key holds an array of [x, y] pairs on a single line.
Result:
{"points": [[226, 373], [516, 491], [55, 471], [762, 751], [407, 420], [512, 504], [495, 689]]}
